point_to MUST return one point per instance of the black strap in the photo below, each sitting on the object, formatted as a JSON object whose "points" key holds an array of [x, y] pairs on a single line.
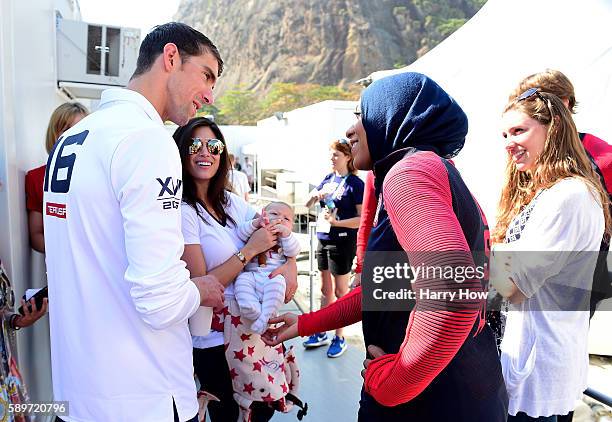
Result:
{"points": [[596, 169], [303, 406]]}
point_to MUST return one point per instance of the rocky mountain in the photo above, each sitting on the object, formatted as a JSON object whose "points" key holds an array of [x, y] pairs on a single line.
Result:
{"points": [[327, 42]]}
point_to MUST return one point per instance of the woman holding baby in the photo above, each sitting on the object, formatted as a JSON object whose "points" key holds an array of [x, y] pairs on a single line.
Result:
{"points": [[210, 217]]}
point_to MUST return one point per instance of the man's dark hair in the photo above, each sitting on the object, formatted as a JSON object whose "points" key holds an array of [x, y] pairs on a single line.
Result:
{"points": [[190, 42]]}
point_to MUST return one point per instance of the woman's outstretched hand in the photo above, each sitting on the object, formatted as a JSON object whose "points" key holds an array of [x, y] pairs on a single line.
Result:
{"points": [[286, 331]]}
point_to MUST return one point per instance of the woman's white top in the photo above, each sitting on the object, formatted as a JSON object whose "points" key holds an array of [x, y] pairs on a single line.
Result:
{"points": [[544, 349], [218, 244]]}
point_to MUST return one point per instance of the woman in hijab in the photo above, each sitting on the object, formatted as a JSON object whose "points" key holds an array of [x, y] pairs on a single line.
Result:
{"points": [[430, 356]]}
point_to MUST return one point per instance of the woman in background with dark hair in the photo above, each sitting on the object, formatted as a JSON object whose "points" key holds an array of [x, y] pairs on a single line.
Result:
{"points": [[210, 214]]}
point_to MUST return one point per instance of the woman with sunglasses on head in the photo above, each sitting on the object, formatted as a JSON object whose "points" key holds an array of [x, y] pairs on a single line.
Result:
{"points": [[598, 151], [552, 216], [600, 154], [340, 195], [210, 215], [429, 359], [556, 83]]}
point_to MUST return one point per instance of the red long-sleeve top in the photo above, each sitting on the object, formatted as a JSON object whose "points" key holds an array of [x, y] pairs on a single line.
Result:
{"points": [[601, 152], [368, 212], [416, 192]]}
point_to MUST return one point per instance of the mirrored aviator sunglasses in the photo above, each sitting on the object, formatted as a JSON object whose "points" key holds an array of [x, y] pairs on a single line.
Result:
{"points": [[214, 146]]}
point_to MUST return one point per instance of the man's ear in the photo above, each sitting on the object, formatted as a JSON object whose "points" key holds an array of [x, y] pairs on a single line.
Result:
{"points": [[171, 57]]}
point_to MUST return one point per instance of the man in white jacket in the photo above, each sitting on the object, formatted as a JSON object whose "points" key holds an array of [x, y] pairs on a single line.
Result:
{"points": [[119, 294]]}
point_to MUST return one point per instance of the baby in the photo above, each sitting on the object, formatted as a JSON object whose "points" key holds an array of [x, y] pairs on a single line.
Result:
{"points": [[260, 297]]}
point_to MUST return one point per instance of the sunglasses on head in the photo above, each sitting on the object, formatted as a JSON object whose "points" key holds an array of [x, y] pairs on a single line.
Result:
{"points": [[214, 146], [344, 141], [535, 92], [530, 93]]}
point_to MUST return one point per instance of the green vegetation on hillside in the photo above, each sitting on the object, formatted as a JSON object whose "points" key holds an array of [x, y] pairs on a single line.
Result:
{"points": [[241, 106], [416, 27]]}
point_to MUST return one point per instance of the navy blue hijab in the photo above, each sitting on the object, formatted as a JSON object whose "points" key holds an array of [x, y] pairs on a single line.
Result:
{"points": [[409, 110]]}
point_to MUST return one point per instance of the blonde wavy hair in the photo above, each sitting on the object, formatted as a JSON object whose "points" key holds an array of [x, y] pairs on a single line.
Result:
{"points": [[563, 156], [60, 121], [552, 81]]}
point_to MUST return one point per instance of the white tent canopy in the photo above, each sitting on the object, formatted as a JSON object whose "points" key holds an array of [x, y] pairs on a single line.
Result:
{"points": [[483, 61]]}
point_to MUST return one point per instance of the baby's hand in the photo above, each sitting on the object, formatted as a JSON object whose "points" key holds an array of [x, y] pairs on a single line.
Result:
{"points": [[283, 231], [262, 221]]}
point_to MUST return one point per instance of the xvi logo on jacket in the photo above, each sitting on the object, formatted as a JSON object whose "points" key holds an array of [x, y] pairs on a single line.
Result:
{"points": [[170, 193]]}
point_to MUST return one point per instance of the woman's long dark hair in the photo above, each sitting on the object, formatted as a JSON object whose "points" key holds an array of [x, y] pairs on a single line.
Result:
{"points": [[216, 193]]}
